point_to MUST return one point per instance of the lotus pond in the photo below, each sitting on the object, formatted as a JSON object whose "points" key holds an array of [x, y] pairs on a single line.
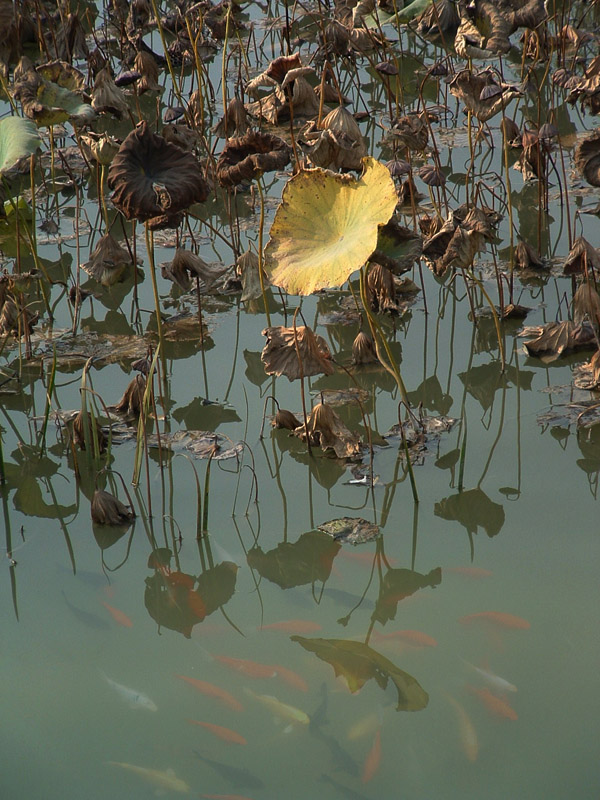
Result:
{"points": [[299, 413]]}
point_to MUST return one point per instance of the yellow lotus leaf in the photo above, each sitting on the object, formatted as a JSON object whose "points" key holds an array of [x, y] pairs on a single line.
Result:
{"points": [[326, 227]]}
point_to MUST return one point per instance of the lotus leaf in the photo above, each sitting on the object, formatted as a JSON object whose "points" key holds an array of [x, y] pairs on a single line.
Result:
{"points": [[290, 564], [358, 663], [52, 94], [284, 348], [353, 530], [19, 138], [397, 585], [326, 227], [557, 338], [153, 180]]}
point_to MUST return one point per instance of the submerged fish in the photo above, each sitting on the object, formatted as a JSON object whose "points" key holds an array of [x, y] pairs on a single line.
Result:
{"points": [[366, 726], [213, 691], [87, 617], [282, 710], [319, 718], [238, 776], [469, 572], [413, 638], [222, 733], [293, 626], [290, 677], [118, 616], [493, 680], [251, 669], [499, 618], [165, 781], [468, 734], [373, 759], [340, 757], [496, 705], [132, 697]]}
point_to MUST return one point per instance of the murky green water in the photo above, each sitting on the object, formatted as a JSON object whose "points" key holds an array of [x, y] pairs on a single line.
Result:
{"points": [[98, 627]]}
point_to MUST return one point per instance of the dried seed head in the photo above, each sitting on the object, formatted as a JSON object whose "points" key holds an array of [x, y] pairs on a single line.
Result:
{"points": [[79, 433], [106, 509]]}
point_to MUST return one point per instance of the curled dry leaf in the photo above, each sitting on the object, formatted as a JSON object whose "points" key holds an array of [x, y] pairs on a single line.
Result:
{"points": [[411, 131], [106, 509], [280, 356], [527, 258], [581, 258], [146, 65], [80, 434], [187, 265], [249, 156], [13, 319], [246, 266], [107, 97], [586, 304], [557, 338], [234, 122], [181, 136], [133, 397], [285, 419], [587, 158], [325, 429], [153, 180], [101, 148], [363, 349], [481, 93], [109, 261], [339, 144], [381, 289]]}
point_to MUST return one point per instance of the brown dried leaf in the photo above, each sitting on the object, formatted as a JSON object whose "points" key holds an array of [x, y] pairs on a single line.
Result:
{"points": [[326, 430], [279, 354], [557, 338], [363, 349], [133, 397], [587, 158], [106, 509], [478, 91], [154, 179], [581, 258], [109, 261], [586, 304], [587, 376], [247, 157]]}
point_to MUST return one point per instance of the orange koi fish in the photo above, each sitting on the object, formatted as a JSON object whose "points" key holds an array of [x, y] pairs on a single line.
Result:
{"points": [[498, 618], [223, 733], [291, 678], [496, 705], [213, 691], [226, 796], [293, 626], [118, 616], [468, 734], [414, 638], [251, 669], [469, 572], [373, 759]]}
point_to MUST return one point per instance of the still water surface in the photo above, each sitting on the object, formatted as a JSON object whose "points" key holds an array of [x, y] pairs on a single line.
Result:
{"points": [[105, 638]]}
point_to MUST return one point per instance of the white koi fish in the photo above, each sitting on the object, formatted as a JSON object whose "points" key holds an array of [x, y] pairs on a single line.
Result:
{"points": [[132, 697], [165, 781], [491, 679], [279, 709]]}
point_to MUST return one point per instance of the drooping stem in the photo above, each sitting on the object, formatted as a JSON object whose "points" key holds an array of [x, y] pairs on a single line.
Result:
{"points": [[260, 249], [159, 328]]}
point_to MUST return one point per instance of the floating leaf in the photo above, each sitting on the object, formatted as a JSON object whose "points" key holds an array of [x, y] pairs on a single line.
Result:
{"points": [[19, 138], [359, 663], [326, 227], [557, 338], [326, 430], [350, 530], [280, 356]]}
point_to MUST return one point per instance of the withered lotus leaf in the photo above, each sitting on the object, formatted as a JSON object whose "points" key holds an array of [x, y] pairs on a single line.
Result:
{"points": [[381, 289], [154, 180], [246, 266], [325, 429], [106, 95], [586, 304], [80, 433], [280, 356], [247, 157], [526, 257], [350, 530], [587, 158], [587, 375], [363, 349], [557, 338], [108, 262], [581, 257], [469, 87], [186, 265], [101, 148], [133, 397], [285, 419], [106, 509]]}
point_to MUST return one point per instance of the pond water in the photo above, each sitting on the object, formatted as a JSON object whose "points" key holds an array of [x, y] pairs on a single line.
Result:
{"points": [[222, 645]]}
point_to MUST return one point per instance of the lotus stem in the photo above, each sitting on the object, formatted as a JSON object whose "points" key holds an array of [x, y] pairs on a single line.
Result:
{"points": [[301, 368], [49, 390], [260, 249], [159, 327], [161, 33], [479, 283]]}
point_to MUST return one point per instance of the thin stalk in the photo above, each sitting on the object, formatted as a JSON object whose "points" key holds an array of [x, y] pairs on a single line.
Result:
{"points": [[260, 250], [161, 340]]}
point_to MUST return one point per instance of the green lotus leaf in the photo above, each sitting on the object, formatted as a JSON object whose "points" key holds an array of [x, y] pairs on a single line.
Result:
{"points": [[60, 105], [19, 138], [326, 227]]}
